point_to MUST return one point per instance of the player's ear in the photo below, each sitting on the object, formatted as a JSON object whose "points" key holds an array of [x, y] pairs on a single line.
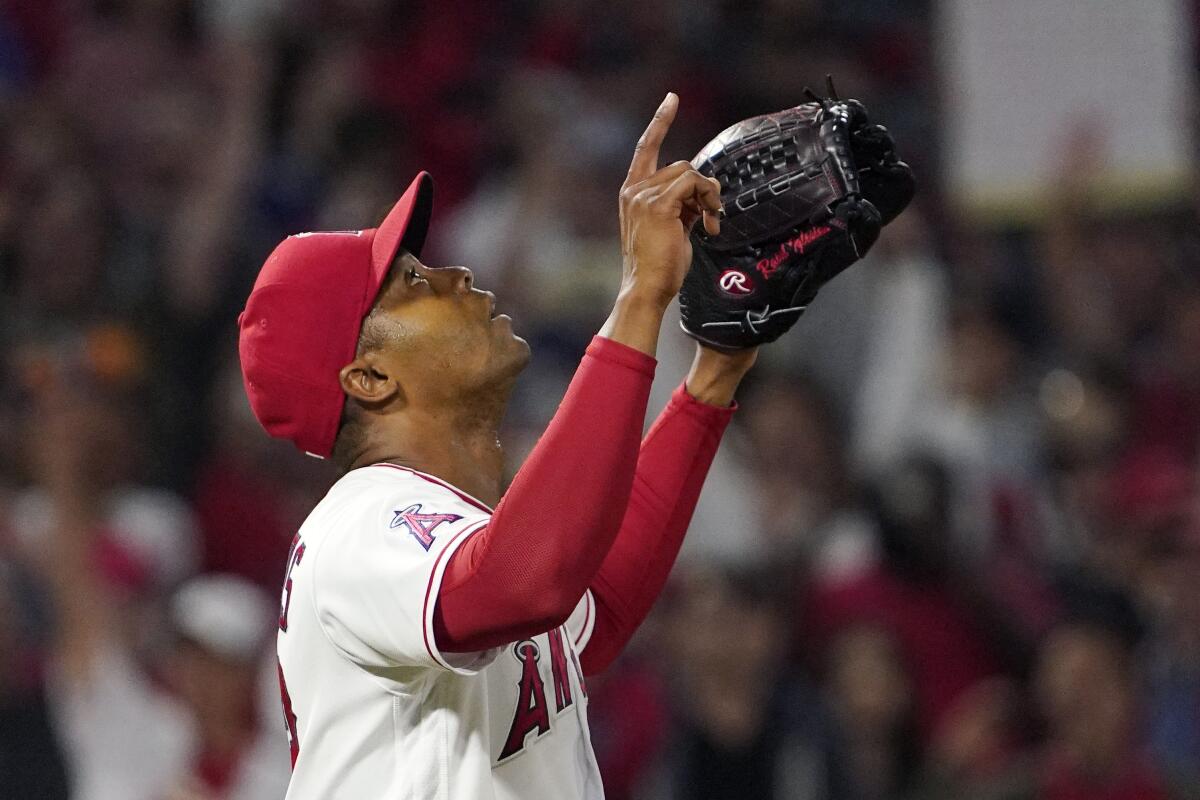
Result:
{"points": [[367, 379]]}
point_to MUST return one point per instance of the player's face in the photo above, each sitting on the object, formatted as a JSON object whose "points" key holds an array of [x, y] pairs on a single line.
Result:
{"points": [[441, 335]]}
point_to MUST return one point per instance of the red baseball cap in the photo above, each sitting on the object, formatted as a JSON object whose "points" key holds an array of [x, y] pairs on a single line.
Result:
{"points": [[302, 319]]}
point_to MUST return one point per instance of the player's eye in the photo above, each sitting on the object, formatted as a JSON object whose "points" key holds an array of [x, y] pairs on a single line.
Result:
{"points": [[414, 277]]}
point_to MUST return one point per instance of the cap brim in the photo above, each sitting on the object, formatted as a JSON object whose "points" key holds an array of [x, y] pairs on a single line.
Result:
{"points": [[405, 225]]}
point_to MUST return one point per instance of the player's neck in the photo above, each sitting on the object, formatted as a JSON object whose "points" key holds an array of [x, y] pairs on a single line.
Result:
{"points": [[463, 450]]}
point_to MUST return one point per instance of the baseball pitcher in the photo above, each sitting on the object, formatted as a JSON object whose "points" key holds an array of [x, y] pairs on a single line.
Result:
{"points": [[434, 636]]}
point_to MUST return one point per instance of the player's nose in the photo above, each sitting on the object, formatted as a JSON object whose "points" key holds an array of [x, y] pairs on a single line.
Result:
{"points": [[457, 279]]}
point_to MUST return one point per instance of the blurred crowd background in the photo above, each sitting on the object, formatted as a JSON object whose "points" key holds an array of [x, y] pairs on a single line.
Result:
{"points": [[950, 547]]}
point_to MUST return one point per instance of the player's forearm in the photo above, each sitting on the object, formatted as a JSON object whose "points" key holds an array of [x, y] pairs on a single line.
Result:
{"points": [[524, 573], [635, 321], [715, 376], [672, 465]]}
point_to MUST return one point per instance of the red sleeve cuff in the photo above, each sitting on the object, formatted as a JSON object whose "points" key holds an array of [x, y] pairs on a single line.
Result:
{"points": [[681, 398], [621, 355]]}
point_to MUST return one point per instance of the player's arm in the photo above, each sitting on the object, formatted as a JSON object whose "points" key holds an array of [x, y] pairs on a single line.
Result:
{"points": [[672, 464], [524, 573], [715, 377]]}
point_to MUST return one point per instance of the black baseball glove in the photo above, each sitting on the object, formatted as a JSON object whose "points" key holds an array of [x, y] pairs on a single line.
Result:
{"points": [[804, 193]]}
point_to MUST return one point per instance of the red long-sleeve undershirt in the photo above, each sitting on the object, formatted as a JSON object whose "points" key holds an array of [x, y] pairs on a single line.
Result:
{"points": [[524, 572], [674, 460], [555, 533]]}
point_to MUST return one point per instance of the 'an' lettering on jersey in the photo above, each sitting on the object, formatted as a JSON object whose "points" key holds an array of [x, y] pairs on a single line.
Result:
{"points": [[558, 670], [421, 526], [532, 713]]}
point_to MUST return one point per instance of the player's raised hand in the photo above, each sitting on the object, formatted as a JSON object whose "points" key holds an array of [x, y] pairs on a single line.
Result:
{"points": [[657, 209]]}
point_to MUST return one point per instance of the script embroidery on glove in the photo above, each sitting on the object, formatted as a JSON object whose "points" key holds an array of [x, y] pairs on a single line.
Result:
{"points": [[794, 246]]}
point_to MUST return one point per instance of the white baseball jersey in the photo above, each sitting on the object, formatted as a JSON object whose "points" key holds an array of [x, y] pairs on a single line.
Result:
{"points": [[374, 710]]}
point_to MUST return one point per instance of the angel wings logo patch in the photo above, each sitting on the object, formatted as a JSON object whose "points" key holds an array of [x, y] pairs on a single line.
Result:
{"points": [[420, 525]]}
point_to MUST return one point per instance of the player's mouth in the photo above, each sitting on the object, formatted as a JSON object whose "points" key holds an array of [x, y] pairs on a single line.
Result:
{"points": [[492, 315]]}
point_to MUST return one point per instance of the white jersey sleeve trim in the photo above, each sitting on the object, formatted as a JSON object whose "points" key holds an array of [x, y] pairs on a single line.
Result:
{"points": [[582, 621], [468, 663]]}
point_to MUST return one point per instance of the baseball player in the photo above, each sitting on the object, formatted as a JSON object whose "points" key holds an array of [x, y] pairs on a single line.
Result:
{"points": [[434, 638]]}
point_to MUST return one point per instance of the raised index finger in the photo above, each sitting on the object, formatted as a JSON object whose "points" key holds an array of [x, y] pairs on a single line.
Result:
{"points": [[645, 154]]}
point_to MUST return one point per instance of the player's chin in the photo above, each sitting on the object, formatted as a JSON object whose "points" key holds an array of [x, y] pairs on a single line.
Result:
{"points": [[506, 344]]}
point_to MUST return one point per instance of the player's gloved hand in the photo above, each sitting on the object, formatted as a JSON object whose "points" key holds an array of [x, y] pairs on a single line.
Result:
{"points": [[797, 213], [884, 179]]}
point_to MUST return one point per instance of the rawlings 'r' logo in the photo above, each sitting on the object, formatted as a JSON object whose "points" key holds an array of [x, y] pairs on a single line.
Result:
{"points": [[734, 281], [421, 526]]}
